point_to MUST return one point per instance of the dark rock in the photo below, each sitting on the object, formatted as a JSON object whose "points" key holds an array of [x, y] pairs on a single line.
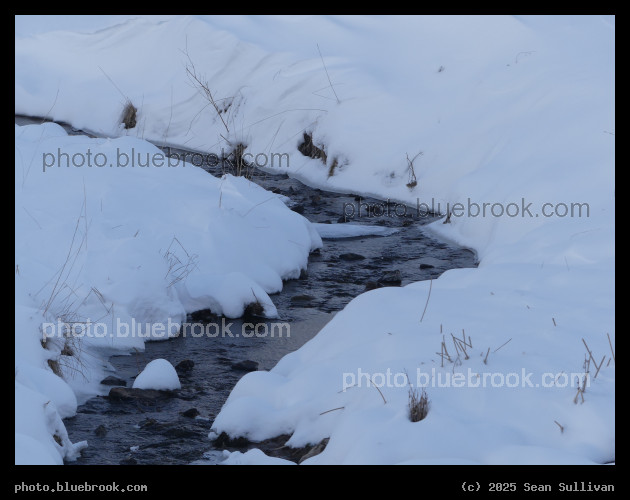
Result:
{"points": [[191, 413], [180, 433], [298, 208], [351, 256], [317, 251], [276, 447], [308, 148], [246, 366], [254, 309], [113, 381], [407, 223], [203, 315], [100, 431], [125, 394], [326, 222], [391, 278], [426, 266], [151, 423], [224, 441], [184, 366], [342, 220], [315, 450], [302, 298], [303, 274], [371, 285], [128, 461], [390, 257]]}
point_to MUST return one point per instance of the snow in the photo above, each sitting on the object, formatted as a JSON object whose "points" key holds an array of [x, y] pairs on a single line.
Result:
{"points": [[504, 109], [252, 457], [347, 230], [40, 436], [158, 374]]}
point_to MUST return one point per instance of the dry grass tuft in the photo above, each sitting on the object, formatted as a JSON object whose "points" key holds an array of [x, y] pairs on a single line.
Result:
{"points": [[333, 166], [418, 404], [129, 115], [413, 181]]}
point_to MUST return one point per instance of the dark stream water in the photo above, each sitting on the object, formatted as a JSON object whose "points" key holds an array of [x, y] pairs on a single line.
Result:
{"points": [[160, 431]]}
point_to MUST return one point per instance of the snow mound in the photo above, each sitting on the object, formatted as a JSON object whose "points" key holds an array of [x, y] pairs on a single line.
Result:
{"points": [[159, 374]]}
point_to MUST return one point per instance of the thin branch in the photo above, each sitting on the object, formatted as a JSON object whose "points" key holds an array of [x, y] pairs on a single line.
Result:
{"points": [[379, 391], [334, 409], [327, 75], [427, 303], [500, 346], [611, 347], [116, 86]]}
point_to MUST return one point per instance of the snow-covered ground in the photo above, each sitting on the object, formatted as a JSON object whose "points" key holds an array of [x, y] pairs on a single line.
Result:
{"points": [[512, 111]]}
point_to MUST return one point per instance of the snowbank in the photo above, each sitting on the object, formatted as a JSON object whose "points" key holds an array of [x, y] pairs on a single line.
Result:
{"points": [[513, 112]]}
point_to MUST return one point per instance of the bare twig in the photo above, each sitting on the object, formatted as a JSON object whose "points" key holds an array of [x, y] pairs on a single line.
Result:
{"points": [[500, 346], [203, 86], [327, 75], [29, 214], [334, 409], [116, 86], [379, 391], [587, 348], [459, 344], [444, 353], [599, 367], [427, 303], [412, 181], [47, 115], [611, 347]]}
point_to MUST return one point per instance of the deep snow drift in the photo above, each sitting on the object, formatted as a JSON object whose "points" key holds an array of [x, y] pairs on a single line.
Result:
{"points": [[512, 112]]}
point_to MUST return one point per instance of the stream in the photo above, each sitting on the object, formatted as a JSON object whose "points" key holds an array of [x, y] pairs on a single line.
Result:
{"points": [[175, 430]]}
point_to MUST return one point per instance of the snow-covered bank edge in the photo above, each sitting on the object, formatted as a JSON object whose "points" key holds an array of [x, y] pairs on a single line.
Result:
{"points": [[110, 257]]}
